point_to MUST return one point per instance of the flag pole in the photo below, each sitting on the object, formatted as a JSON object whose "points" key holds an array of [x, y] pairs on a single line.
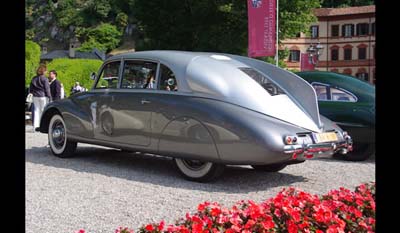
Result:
{"points": [[277, 41]]}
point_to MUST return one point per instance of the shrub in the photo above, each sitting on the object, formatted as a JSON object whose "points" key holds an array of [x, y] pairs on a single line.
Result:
{"points": [[105, 34], [70, 71], [32, 59]]}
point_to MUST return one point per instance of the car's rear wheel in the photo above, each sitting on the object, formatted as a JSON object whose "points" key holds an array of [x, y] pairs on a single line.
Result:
{"points": [[60, 146], [269, 167], [199, 171]]}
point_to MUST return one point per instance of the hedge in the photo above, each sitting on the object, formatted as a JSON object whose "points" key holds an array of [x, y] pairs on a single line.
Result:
{"points": [[70, 71], [32, 59]]}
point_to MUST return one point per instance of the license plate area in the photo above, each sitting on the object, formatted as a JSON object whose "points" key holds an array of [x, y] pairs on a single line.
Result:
{"points": [[325, 137]]}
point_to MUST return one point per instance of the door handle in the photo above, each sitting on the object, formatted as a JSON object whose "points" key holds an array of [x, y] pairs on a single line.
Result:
{"points": [[143, 101]]}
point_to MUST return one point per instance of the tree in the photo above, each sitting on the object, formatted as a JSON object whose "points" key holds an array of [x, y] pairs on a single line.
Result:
{"points": [[32, 59], [346, 3], [105, 36], [209, 25]]}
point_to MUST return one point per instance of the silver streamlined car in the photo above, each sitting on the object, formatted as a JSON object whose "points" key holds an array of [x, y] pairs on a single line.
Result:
{"points": [[203, 109]]}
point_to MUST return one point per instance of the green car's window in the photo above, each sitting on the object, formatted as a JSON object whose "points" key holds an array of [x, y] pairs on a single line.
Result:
{"points": [[339, 95], [322, 91], [139, 75], [167, 79], [109, 76]]}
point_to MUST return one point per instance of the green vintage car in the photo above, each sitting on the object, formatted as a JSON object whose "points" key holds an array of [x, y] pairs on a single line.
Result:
{"points": [[350, 103]]}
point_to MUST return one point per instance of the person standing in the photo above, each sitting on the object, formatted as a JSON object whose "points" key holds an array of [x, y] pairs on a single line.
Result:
{"points": [[62, 91], [55, 85], [40, 90]]}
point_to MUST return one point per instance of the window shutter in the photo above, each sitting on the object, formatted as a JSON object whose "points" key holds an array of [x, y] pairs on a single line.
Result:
{"points": [[343, 30], [358, 29], [352, 30], [367, 27]]}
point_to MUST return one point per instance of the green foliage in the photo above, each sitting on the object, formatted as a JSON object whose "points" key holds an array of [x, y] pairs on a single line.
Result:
{"points": [[89, 45], [217, 26], [32, 59], [295, 16], [105, 37], [121, 20], [74, 70], [346, 3]]}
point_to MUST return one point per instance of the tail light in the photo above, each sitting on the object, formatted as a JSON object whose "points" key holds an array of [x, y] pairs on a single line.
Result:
{"points": [[290, 140]]}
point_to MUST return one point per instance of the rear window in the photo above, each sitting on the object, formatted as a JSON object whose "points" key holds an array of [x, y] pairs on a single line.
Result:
{"points": [[269, 86]]}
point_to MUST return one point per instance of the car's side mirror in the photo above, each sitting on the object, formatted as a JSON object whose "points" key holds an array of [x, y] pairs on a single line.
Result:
{"points": [[93, 76]]}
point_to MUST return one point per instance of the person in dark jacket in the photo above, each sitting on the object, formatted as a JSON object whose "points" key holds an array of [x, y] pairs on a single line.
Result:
{"points": [[40, 89], [55, 85]]}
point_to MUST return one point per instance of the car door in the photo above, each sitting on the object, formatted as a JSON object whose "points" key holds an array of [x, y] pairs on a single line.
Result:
{"points": [[132, 110], [103, 100]]}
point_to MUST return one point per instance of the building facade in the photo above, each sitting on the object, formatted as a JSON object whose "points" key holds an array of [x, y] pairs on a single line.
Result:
{"points": [[348, 39]]}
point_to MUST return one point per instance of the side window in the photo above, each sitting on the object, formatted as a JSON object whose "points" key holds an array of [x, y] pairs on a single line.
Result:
{"points": [[139, 75], [322, 91], [339, 95], [167, 79], [109, 76]]}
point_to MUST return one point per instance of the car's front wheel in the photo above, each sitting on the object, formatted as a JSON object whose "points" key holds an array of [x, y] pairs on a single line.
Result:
{"points": [[269, 167], [58, 139], [199, 171]]}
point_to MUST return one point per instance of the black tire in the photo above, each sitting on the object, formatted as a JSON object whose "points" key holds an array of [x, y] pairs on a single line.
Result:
{"points": [[361, 152], [270, 167], [198, 171], [60, 146]]}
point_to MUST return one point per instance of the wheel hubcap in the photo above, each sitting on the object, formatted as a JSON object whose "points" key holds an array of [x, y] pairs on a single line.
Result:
{"points": [[58, 134], [194, 164]]}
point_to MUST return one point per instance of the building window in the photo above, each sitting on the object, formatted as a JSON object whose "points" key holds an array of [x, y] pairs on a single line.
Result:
{"points": [[373, 28], [314, 31], [362, 76], [362, 53], [348, 30], [362, 29], [335, 30], [294, 56], [335, 54], [347, 54], [298, 35]]}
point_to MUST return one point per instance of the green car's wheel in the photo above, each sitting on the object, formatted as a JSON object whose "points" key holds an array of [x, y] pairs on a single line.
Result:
{"points": [[360, 153]]}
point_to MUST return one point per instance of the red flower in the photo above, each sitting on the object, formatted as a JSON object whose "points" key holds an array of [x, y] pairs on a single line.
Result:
{"points": [[161, 226], [81, 231], [149, 227], [292, 227]]}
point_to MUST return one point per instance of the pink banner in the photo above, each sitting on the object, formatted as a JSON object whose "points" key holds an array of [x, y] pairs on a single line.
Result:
{"points": [[305, 62], [262, 27]]}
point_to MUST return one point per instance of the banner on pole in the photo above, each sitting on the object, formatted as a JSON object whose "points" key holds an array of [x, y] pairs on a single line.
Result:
{"points": [[306, 62], [261, 27]]}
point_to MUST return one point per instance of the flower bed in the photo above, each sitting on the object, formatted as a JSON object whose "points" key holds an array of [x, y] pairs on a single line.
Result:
{"points": [[292, 211]]}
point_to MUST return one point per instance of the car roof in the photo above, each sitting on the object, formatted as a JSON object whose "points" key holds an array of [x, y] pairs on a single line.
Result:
{"points": [[218, 75], [362, 89]]}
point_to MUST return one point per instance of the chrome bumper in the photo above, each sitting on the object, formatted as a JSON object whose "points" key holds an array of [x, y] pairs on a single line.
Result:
{"points": [[308, 151]]}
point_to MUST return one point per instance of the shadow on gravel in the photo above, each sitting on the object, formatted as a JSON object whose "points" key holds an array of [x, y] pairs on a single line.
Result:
{"points": [[159, 170], [341, 160]]}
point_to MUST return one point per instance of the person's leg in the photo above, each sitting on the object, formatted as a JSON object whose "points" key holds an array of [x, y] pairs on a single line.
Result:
{"points": [[36, 109], [43, 101]]}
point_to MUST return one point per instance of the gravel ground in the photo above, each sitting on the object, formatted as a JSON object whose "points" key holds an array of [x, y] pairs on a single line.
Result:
{"points": [[101, 188]]}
